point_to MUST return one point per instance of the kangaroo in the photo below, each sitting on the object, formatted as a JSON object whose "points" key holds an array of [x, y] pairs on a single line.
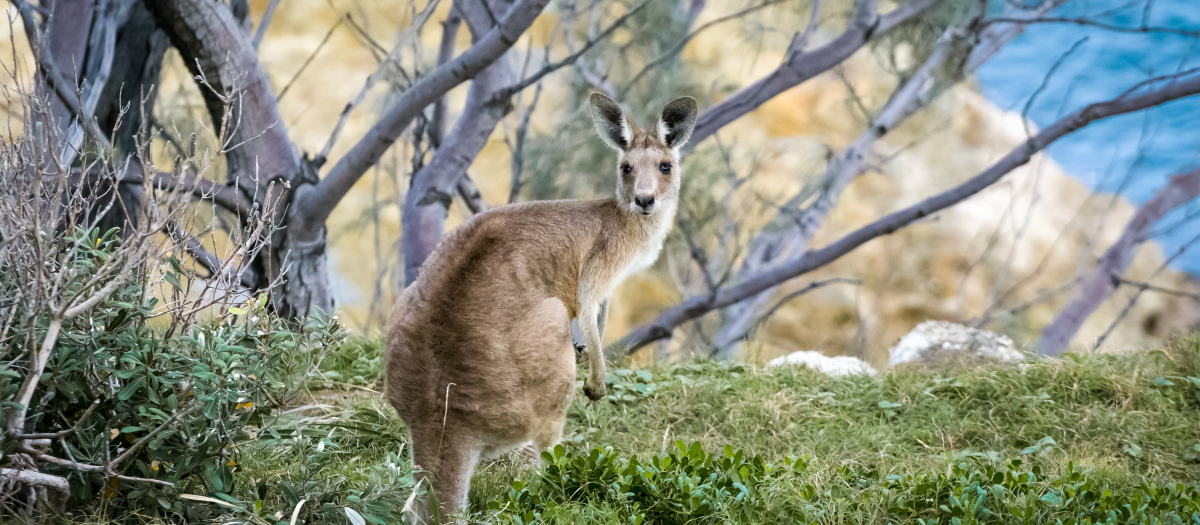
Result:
{"points": [[480, 356]]}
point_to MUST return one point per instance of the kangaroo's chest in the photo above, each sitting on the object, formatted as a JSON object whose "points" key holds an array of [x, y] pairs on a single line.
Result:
{"points": [[646, 254]]}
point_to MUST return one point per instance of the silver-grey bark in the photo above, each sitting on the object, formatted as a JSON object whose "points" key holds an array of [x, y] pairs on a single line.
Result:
{"points": [[794, 228], [1100, 283], [802, 65]]}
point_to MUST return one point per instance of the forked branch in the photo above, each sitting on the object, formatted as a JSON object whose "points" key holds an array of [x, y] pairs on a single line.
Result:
{"points": [[324, 197], [802, 65]]}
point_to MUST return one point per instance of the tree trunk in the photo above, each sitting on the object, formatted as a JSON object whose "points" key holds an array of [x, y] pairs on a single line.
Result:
{"points": [[428, 199], [89, 41], [427, 202], [67, 34], [263, 163], [132, 86], [133, 83]]}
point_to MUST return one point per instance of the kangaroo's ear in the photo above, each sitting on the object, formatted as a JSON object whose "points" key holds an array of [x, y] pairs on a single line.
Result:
{"points": [[676, 122], [611, 122]]}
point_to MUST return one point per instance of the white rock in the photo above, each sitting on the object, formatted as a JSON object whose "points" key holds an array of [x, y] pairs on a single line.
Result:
{"points": [[933, 341], [842, 365]]}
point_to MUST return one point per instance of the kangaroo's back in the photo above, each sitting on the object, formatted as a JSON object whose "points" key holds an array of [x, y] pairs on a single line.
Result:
{"points": [[478, 285]]}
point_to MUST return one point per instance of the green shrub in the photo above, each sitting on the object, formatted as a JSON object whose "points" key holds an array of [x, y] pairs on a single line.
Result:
{"points": [[690, 485], [687, 485], [174, 410], [358, 361]]}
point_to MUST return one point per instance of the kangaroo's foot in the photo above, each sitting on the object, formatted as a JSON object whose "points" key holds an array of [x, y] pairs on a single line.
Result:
{"points": [[531, 455]]}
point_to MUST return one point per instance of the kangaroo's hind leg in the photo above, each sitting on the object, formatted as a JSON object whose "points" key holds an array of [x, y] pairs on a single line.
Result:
{"points": [[448, 460]]}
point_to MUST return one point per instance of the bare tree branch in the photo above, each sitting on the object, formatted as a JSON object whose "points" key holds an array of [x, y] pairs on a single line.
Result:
{"points": [[1140, 97], [1159, 289], [679, 45], [517, 146], [201, 188], [504, 94], [437, 124], [321, 199], [795, 227], [766, 316], [389, 60], [1104, 278], [470, 195], [209, 261], [802, 65], [994, 37], [84, 467], [33, 477], [308, 60]]}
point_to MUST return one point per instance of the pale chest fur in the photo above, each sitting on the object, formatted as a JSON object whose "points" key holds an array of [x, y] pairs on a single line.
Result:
{"points": [[654, 234]]}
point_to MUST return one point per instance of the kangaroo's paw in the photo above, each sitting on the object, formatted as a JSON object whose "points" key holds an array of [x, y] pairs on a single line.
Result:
{"points": [[594, 392]]}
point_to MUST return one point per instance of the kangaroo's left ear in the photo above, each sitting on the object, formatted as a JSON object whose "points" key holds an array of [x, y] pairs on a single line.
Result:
{"points": [[676, 122]]}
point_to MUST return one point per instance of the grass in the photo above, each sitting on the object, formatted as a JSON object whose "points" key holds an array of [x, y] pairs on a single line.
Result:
{"points": [[1124, 420]]}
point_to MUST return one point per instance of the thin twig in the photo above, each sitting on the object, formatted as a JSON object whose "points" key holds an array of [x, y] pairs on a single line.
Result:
{"points": [[789, 297], [309, 60], [1168, 291], [63, 433], [505, 93], [676, 48], [266, 21]]}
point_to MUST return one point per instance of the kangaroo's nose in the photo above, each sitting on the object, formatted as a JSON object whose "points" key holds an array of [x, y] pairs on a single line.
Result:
{"points": [[644, 202]]}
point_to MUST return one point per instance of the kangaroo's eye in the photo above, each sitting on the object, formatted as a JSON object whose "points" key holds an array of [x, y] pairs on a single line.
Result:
{"points": [[665, 167], [625, 168]]}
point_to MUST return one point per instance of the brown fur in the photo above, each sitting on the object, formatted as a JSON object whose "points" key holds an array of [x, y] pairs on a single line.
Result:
{"points": [[480, 358]]}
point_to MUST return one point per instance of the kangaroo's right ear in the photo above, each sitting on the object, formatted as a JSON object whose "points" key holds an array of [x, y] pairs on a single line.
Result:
{"points": [[611, 123]]}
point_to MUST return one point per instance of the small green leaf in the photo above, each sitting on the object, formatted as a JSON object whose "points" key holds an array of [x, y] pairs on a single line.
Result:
{"points": [[354, 517], [131, 388], [1133, 450]]}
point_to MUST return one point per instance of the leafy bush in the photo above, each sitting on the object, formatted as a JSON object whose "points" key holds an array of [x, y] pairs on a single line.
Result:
{"points": [[690, 485], [169, 410], [687, 485], [358, 361]]}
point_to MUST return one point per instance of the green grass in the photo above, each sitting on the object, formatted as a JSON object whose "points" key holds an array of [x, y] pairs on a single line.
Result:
{"points": [[1123, 421]]}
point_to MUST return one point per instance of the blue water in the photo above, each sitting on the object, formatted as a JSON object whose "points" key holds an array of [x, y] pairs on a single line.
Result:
{"points": [[1131, 154]]}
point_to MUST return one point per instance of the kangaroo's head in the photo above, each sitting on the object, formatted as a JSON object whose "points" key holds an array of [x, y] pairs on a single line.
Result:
{"points": [[647, 162]]}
